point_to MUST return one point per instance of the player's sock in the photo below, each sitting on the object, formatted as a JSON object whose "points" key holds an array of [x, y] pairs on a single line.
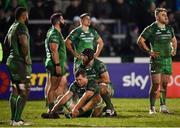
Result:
{"points": [[107, 100], [81, 111], [152, 100], [162, 97], [50, 106], [46, 100], [12, 100], [20, 103]]}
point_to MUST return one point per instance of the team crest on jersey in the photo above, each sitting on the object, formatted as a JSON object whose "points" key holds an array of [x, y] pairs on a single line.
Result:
{"points": [[82, 35], [168, 32], [158, 32], [91, 34]]}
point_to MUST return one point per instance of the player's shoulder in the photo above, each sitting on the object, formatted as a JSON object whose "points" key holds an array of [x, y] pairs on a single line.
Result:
{"points": [[92, 29], [81, 66], [169, 26], [97, 61], [73, 84], [151, 26], [76, 30], [52, 32], [91, 82], [21, 25]]}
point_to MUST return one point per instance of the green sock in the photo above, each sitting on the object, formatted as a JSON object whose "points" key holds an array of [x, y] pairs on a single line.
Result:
{"points": [[107, 100], [162, 97], [46, 100], [81, 111], [12, 100], [21, 101], [50, 106], [152, 100]]}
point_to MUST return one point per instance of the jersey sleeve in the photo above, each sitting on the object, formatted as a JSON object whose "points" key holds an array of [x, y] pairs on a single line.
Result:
{"points": [[54, 38], [73, 35], [102, 68], [91, 85], [22, 29], [146, 33]]}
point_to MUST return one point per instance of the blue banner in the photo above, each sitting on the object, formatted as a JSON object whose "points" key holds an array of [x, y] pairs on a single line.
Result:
{"points": [[129, 80]]}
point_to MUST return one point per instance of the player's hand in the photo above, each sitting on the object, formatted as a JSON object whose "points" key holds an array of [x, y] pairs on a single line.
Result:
{"points": [[154, 54], [58, 70], [173, 52], [95, 55], [78, 56], [28, 60]]}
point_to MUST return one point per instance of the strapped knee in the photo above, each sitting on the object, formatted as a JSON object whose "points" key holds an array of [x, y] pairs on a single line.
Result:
{"points": [[23, 89], [103, 88]]}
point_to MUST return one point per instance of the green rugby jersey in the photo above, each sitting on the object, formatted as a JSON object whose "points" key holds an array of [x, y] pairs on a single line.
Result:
{"points": [[16, 29], [56, 37], [159, 38], [83, 39], [95, 70], [79, 91]]}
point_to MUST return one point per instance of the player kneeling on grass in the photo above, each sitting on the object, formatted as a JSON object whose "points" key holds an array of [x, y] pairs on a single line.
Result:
{"points": [[97, 70], [87, 91]]}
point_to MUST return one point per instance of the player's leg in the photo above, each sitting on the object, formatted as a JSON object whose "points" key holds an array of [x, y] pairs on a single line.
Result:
{"points": [[87, 107], [52, 89], [98, 109], [155, 82], [47, 88], [21, 86], [23, 91], [60, 91], [163, 90], [106, 96], [12, 100], [62, 87]]}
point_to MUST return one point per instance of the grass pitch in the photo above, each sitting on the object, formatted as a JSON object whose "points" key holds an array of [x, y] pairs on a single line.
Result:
{"points": [[131, 112]]}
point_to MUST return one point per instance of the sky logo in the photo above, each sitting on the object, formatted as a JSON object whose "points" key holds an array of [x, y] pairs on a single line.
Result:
{"points": [[133, 80]]}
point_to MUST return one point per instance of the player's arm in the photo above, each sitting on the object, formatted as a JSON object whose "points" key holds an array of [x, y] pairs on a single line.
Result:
{"points": [[142, 45], [23, 40], [174, 46], [55, 56], [62, 101], [86, 96], [99, 48], [104, 78], [70, 48]]}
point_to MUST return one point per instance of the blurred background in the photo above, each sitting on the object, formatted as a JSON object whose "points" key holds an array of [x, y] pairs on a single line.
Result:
{"points": [[119, 22]]}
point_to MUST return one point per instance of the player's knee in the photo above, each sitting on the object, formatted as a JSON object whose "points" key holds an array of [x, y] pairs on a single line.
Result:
{"points": [[24, 89], [14, 89], [96, 99], [103, 89], [154, 89], [164, 87]]}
